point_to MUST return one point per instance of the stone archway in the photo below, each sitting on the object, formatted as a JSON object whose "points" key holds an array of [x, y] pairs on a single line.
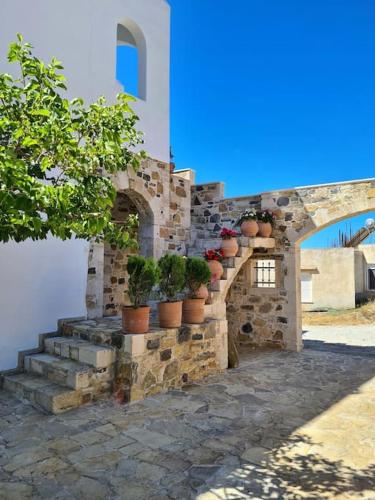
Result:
{"points": [[300, 213], [127, 204]]}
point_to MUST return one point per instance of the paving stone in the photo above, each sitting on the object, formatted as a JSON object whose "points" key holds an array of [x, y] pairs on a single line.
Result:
{"points": [[14, 491], [279, 426]]}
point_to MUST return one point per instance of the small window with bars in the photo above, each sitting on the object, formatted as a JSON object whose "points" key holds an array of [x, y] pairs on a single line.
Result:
{"points": [[264, 273], [371, 278]]}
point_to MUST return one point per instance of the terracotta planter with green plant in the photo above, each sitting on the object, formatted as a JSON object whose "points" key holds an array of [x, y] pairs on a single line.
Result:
{"points": [[143, 276], [248, 223], [229, 244], [266, 220], [197, 277], [172, 282]]}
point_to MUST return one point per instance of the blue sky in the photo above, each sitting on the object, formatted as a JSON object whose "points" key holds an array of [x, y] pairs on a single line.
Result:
{"points": [[268, 94]]}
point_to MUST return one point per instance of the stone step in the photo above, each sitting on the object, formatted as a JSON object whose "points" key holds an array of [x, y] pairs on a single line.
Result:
{"points": [[215, 310], [90, 331], [218, 286], [232, 261], [98, 356], [45, 394], [229, 272], [72, 374]]}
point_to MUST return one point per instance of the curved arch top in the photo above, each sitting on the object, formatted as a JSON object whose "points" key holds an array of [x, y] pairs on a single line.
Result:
{"points": [[304, 211], [129, 33]]}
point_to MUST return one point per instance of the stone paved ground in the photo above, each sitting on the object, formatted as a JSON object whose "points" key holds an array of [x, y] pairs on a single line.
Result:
{"points": [[283, 425]]}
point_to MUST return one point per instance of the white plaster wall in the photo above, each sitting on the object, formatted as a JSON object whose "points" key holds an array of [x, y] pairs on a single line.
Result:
{"points": [[82, 34], [333, 277], [40, 282]]}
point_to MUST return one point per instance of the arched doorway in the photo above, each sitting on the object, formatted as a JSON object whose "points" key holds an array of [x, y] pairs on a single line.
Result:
{"points": [[300, 212], [128, 204], [337, 272]]}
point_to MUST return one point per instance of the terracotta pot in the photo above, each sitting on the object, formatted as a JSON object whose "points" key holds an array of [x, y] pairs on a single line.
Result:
{"points": [[202, 292], [193, 311], [170, 314], [216, 269], [265, 229], [135, 320], [229, 247], [249, 228]]}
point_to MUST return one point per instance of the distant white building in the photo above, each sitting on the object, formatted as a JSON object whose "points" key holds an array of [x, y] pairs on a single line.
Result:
{"points": [[41, 282], [337, 278]]}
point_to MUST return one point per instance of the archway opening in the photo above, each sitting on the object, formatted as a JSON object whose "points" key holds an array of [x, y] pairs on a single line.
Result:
{"points": [[128, 204], [131, 59], [337, 283]]}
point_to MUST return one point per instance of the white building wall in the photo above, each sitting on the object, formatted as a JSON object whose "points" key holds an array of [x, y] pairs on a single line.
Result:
{"points": [[41, 282], [82, 34]]}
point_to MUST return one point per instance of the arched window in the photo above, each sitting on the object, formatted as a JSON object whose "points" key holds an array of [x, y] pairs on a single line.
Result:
{"points": [[131, 59]]}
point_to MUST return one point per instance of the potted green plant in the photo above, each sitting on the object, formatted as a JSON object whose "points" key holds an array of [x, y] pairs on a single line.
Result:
{"points": [[266, 220], [229, 244], [248, 223], [198, 275], [172, 282], [143, 276], [214, 257]]}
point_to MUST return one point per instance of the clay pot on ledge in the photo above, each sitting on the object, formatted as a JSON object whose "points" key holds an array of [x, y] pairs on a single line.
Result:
{"points": [[265, 229], [229, 247], [202, 293], [136, 320], [216, 269], [249, 228], [170, 314], [193, 311]]}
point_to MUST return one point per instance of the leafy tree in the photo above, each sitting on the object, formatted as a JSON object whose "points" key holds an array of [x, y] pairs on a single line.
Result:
{"points": [[172, 275], [57, 156]]}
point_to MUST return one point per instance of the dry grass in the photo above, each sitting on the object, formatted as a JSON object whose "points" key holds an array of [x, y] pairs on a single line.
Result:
{"points": [[363, 315]]}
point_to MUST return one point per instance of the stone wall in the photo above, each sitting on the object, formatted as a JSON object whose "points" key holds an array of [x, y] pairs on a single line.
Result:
{"points": [[210, 211], [164, 359], [115, 261], [255, 316]]}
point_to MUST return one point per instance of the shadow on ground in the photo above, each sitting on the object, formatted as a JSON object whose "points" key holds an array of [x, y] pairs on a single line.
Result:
{"points": [[282, 425]]}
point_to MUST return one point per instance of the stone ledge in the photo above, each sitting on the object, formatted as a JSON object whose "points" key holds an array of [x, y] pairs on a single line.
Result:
{"points": [[257, 242]]}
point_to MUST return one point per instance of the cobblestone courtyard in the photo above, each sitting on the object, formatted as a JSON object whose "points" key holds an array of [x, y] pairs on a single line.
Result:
{"points": [[283, 425]]}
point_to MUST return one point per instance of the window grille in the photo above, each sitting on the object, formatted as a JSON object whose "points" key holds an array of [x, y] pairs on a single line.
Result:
{"points": [[265, 273]]}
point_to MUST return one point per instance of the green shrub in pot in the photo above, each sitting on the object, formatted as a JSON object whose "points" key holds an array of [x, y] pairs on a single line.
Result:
{"points": [[144, 274], [172, 283], [198, 275]]}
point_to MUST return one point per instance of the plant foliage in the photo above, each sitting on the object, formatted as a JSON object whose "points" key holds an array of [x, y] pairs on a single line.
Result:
{"points": [[266, 216], [247, 215], [197, 273], [172, 275], [144, 274], [214, 254], [56, 155]]}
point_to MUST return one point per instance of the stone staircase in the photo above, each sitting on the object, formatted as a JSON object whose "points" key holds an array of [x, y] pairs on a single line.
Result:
{"points": [[69, 373], [218, 290]]}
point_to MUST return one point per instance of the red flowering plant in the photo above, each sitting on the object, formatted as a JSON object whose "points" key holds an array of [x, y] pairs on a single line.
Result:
{"points": [[213, 254], [227, 234], [266, 216]]}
